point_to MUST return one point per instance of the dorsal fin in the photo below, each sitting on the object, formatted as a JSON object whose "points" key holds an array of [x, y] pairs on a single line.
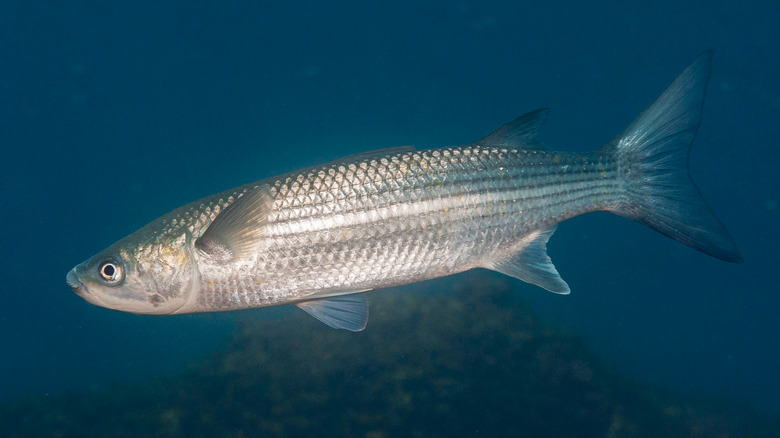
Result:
{"points": [[519, 133], [362, 156]]}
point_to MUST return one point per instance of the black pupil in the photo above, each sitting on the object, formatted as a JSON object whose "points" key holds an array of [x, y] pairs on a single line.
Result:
{"points": [[109, 270]]}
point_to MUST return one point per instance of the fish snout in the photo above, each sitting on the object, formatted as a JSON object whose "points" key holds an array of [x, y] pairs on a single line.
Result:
{"points": [[73, 280], [79, 288]]}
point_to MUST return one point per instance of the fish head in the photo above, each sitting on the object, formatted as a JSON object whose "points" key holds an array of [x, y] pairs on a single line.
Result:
{"points": [[145, 273]]}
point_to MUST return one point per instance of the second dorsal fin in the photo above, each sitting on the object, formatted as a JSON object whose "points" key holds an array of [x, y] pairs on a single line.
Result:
{"points": [[519, 133]]}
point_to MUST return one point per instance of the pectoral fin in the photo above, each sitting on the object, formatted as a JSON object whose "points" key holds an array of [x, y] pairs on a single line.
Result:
{"points": [[238, 230], [532, 264], [348, 312]]}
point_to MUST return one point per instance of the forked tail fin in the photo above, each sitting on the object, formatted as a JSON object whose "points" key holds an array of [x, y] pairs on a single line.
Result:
{"points": [[652, 155]]}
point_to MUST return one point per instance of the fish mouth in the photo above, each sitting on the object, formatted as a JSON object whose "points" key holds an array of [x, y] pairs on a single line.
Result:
{"points": [[81, 290], [73, 280]]}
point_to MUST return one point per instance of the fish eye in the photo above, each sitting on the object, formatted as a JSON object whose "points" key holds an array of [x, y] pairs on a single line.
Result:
{"points": [[111, 272]]}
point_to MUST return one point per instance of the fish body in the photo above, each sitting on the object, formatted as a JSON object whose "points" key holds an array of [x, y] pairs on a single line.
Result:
{"points": [[319, 236]]}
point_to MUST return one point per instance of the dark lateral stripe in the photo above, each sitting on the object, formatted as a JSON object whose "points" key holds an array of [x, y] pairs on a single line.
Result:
{"points": [[527, 194], [556, 209]]}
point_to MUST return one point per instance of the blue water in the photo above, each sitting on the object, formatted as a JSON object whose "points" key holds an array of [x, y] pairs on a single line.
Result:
{"points": [[112, 114]]}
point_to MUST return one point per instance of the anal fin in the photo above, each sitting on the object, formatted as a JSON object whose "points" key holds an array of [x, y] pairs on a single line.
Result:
{"points": [[532, 264]]}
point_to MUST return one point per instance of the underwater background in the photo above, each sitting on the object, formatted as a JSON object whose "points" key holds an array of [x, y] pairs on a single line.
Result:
{"points": [[114, 113]]}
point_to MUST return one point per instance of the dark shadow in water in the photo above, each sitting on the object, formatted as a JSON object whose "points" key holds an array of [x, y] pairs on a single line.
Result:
{"points": [[469, 361]]}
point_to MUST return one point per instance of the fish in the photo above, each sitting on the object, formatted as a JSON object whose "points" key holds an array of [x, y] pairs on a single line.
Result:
{"points": [[322, 236]]}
